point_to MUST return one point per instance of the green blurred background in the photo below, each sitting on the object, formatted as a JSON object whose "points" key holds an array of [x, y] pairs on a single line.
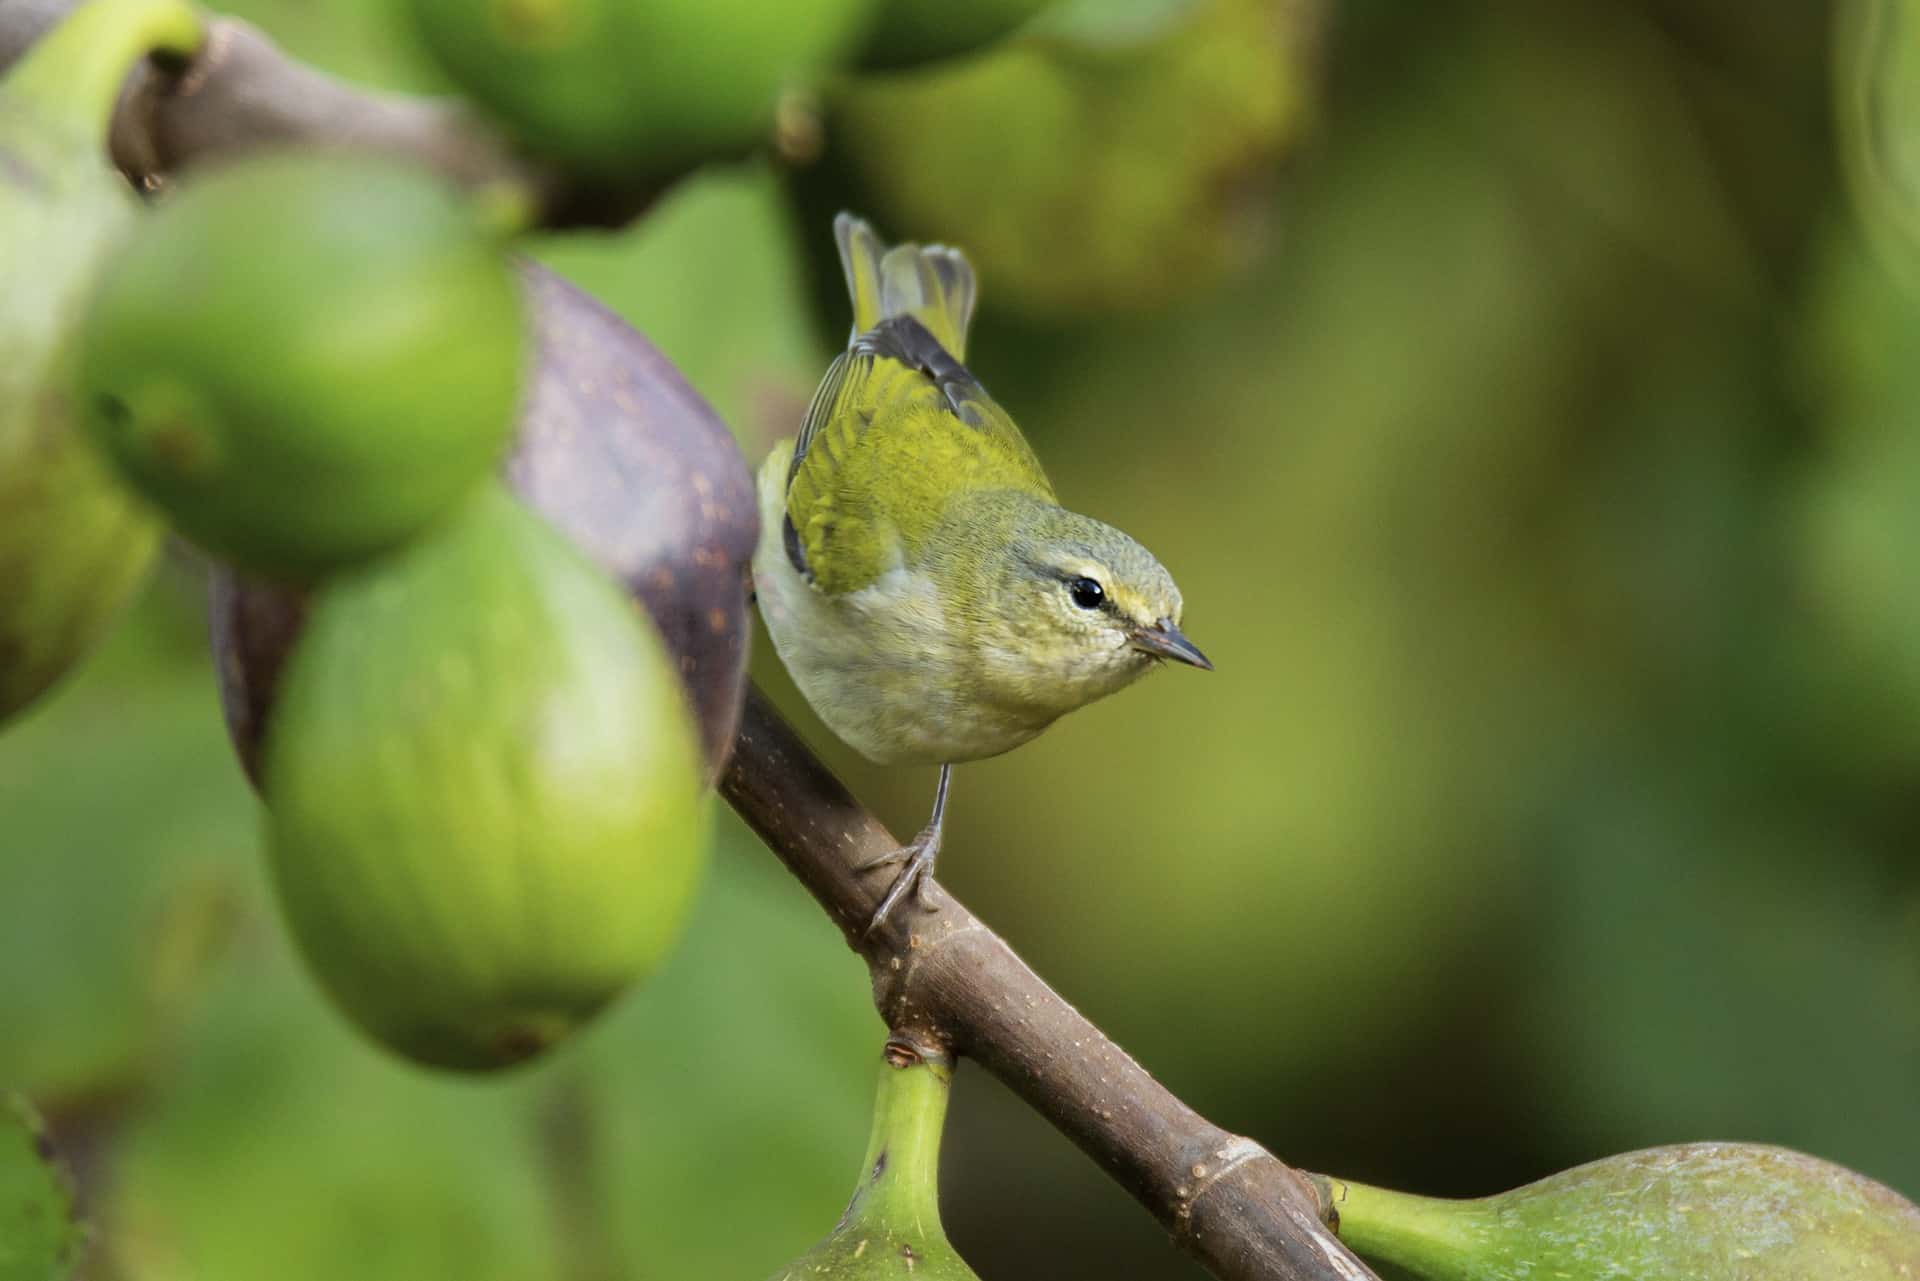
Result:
{"points": [[1543, 479]]}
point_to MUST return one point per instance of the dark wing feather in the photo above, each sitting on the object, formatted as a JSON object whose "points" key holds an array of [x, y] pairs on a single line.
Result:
{"points": [[819, 411], [909, 342]]}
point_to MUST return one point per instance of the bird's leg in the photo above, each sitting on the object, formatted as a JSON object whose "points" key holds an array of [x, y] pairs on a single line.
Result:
{"points": [[918, 855]]}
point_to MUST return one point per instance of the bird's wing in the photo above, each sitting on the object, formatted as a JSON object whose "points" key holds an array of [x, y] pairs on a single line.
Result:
{"points": [[896, 430]]}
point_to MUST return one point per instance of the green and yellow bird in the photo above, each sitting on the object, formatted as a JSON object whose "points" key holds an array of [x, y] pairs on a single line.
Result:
{"points": [[932, 599]]}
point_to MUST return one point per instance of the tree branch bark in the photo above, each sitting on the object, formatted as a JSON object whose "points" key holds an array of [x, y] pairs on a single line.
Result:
{"points": [[945, 977]]}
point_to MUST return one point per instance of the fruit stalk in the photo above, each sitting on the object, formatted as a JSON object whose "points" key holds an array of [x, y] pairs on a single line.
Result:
{"points": [[899, 1192], [75, 71], [1425, 1235], [891, 1227]]}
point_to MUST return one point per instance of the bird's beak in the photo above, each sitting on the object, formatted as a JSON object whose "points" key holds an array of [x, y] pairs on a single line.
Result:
{"points": [[1164, 640]]}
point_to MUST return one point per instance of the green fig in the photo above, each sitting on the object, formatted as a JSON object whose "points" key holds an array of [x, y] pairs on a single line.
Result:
{"points": [[891, 1227], [73, 545], [1693, 1212], [39, 1240], [635, 93], [626, 460], [483, 791], [1128, 161], [305, 358]]}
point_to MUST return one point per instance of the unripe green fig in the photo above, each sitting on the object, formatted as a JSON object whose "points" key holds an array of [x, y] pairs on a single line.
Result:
{"points": [[305, 358], [1692, 1212], [1128, 162], [891, 1227], [483, 791], [73, 544], [618, 453], [636, 92], [910, 32]]}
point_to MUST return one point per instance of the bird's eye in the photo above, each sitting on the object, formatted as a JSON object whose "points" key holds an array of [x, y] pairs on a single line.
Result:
{"points": [[1086, 593]]}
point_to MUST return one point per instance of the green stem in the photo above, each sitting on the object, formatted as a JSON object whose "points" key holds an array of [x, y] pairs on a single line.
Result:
{"points": [[1437, 1239], [900, 1179], [75, 71]]}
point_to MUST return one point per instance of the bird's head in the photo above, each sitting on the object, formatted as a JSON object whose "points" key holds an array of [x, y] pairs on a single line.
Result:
{"points": [[1085, 609]]}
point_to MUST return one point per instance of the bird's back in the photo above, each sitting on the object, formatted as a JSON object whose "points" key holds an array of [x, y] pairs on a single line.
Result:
{"points": [[899, 428]]}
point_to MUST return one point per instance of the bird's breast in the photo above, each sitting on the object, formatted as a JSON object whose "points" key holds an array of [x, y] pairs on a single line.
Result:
{"points": [[887, 667]]}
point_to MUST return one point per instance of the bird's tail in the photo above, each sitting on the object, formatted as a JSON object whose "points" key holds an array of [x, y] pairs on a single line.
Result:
{"points": [[931, 283]]}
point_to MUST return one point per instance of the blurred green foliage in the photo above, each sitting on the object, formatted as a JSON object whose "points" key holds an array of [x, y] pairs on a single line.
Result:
{"points": [[1546, 493], [1152, 135]]}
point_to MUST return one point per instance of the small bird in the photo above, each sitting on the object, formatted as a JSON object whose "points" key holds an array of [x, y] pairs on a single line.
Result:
{"points": [[931, 598]]}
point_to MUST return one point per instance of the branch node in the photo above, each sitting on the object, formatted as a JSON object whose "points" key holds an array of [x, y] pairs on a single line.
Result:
{"points": [[895, 967], [1226, 1159]]}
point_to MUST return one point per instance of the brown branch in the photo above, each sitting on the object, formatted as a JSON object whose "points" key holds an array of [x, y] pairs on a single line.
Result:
{"points": [[242, 92], [945, 977]]}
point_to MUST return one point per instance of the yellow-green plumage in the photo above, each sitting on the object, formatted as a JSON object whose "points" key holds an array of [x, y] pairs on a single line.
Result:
{"points": [[929, 595], [884, 448]]}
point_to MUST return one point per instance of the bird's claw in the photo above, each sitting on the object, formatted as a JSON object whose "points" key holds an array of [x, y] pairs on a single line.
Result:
{"points": [[917, 876], [886, 858]]}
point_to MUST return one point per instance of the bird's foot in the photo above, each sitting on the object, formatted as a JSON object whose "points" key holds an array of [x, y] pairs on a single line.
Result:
{"points": [[918, 855]]}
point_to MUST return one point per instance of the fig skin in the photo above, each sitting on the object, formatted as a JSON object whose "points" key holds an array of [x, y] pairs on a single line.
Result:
{"points": [[305, 357], [74, 546], [632, 93], [486, 819], [1690, 1212], [617, 452]]}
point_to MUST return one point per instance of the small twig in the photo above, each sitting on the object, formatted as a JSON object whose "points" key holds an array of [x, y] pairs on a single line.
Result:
{"points": [[944, 977]]}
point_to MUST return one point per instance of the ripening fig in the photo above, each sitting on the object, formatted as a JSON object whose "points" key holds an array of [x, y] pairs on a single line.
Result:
{"points": [[483, 791], [618, 453], [305, 358], [634, 93], [1693, 1212], [73, 544], [625, 458], [891, 1227]]}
